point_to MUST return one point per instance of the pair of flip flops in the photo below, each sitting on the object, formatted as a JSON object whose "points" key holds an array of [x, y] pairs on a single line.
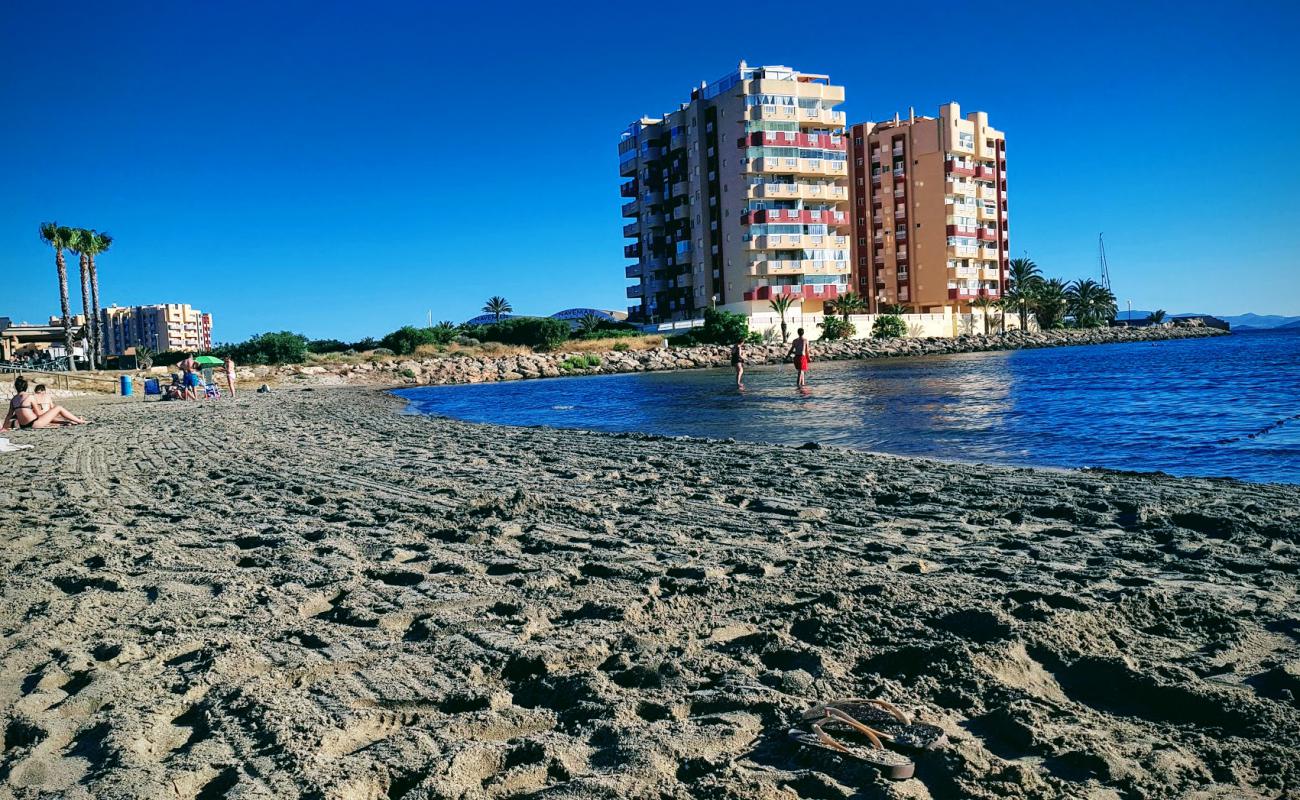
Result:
{"points": [[860, 728]]}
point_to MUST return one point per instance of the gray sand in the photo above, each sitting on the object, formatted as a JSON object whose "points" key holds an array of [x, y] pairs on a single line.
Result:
{"points": [[309, 594]]}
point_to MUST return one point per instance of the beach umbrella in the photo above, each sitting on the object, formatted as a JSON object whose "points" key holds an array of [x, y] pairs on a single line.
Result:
{"points": [[209, 361]]}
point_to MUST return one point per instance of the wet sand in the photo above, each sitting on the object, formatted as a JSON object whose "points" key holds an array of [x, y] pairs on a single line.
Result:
{"points": [[309, 594]]}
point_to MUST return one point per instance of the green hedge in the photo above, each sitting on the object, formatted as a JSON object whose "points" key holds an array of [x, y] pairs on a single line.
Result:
{"points": [[542, 333]]}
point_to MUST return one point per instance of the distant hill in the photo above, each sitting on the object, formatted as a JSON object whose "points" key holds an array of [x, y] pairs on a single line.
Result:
{"points": [[1239, 322], [1291, 325]]}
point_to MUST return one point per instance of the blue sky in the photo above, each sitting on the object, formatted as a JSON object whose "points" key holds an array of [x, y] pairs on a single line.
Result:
{"points": [[341, 169]]}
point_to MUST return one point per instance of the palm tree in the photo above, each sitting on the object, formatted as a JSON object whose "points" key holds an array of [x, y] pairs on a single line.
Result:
{"points": [[1091, 304], [1156, 317], [1024, 278], [893, 308], [80, 243], [497, 306], [589, 323], [984, 303], [1050, 303], [100, 242], [781, 304], [58, 237], [848, 303]]}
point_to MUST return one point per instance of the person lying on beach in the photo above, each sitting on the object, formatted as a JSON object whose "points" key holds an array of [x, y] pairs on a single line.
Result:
{"points": [[23, 414]]}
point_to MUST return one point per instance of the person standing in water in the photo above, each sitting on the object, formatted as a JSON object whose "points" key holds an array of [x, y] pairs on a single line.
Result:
{"points": [[800, 350], [738, 361]]}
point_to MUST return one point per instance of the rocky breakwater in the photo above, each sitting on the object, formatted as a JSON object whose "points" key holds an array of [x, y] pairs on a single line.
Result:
{"points": [[456, 368]]}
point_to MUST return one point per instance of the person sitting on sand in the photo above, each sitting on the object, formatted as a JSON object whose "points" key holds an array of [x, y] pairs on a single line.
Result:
{"points": [[801, 351], [738, 361], [23, 413]]}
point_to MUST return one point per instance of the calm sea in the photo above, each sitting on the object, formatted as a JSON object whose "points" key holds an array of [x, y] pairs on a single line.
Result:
{"points": [[1185, 407]]}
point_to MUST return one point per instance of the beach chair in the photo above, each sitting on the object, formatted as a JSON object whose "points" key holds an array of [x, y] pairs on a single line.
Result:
{"points": [[151, 387], [210, 388]]}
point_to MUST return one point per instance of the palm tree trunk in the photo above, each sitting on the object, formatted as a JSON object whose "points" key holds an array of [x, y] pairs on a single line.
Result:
{"points": [[83, 268], [95, 330], [62, 267], [1024, 317], [784, 335]]}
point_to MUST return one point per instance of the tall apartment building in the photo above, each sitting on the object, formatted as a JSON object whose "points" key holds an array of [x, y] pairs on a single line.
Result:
{"points": [[929, 210], [165, 327], [738, 196]]}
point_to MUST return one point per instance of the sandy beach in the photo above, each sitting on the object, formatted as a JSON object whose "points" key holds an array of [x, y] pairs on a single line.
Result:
{"points": [[310, 594]]}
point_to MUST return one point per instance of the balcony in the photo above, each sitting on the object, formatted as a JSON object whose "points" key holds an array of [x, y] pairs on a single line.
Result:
{"points": [[821, 291], [805, 191], [632, 271], [955, 168], [798, 266], [966, 293], [899, 172], [635, 291], [834, 119], [631, 209], [960, 230], [821, 141], [628, 189], [987, 173], [792, 216], [987, 193], [627, 167], [632, 229], [798, 166], [632, 250]]}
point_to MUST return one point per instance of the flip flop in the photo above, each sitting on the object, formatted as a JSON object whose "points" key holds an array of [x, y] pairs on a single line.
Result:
{"points": [[892, 765], [887, 721]]}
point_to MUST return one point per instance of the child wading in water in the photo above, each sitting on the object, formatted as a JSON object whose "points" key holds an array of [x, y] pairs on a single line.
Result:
{"points": [[800, 349]]}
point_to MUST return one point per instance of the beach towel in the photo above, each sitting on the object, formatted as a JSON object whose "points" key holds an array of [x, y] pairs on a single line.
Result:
{"points": [[7, 446]]}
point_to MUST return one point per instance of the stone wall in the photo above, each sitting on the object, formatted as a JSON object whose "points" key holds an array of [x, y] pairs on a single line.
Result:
{"points": [[455, 369]]}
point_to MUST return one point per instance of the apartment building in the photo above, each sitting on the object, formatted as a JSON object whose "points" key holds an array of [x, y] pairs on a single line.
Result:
{"points": [[738, 196], [929, 210], [162, 328]]}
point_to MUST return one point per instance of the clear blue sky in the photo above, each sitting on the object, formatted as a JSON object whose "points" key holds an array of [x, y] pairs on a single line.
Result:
{"points": [[340, 169]]}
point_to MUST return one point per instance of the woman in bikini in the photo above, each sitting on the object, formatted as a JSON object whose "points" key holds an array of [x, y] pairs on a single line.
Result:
{"points": [[23, 411], [230, 376]]}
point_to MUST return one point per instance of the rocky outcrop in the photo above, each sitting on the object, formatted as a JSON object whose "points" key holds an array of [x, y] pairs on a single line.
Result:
{"points": [[455, 369]]}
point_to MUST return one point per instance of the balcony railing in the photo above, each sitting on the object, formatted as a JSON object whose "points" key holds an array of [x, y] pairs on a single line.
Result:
{"points": [[632, 250], [628, 189], [635, 291], [956, 168], [632, 271], [633, 229], [631, 209]]}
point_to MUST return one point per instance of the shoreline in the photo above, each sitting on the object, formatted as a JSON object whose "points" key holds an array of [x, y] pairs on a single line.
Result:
{"points": [[454, 368], [310, 593]]}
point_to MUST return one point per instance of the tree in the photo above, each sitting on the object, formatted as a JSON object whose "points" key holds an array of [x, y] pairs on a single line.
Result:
{"points": [[144, 356], [497, 306], [889, 326], [893, 309], [781, 304], [1050, 303], [284, 347], [1156, 317], [99, 244], [80, 243], [984, 303], [589, 324], [58, 237], [723, 327], [405, 339], [846, 304], [1023, 281], [1091, 304]]}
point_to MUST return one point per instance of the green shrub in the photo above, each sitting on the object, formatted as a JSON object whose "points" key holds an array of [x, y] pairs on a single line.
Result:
{"points": [[683, 340], [365, 344], [320, 346], [408, 373], [621, 347], [541, 333], [606, 333], [836, 328], [284, 347], [581, 361], [754, 337], [723, 327], [381, 351], [889, 326], [404, 340]]}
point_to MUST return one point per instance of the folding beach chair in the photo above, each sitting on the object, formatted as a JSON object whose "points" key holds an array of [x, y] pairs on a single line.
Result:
{"points": [[151, 387], [210, 388]]}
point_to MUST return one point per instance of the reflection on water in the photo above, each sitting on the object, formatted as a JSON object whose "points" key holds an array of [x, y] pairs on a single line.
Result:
{"points": [[1141, 406]]}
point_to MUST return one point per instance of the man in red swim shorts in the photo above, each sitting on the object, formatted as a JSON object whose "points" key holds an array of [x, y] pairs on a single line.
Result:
{"points": [[801, 351]]}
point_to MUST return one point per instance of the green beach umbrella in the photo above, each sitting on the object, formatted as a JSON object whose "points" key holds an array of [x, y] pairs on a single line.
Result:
{"points": [[209, 361]]}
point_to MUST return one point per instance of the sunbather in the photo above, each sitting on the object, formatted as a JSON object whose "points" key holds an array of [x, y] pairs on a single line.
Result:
{"points": [[23, 411]]}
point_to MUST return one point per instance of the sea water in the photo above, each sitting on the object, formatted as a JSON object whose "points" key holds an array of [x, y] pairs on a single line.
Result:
{"points": [[1222, 406]]}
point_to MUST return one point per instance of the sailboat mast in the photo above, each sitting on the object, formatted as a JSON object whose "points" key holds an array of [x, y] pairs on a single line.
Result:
{"points": [[1101, 257]]}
